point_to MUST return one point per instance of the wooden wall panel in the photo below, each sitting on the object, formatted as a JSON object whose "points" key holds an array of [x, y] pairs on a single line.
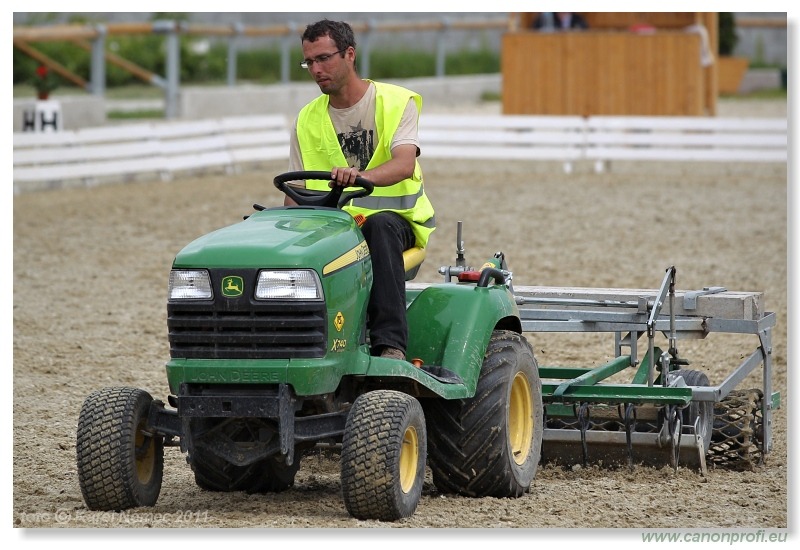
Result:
{"points": [[603, 73]]}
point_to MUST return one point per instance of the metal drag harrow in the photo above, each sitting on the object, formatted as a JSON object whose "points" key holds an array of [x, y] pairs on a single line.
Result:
{"points": [[665, 413]]}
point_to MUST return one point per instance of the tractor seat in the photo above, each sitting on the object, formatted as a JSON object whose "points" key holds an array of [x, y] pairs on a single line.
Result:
{"points": [[412, 259]]}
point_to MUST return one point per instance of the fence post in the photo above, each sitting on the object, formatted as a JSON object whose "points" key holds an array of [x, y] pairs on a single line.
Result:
{"points": [[233, 50], [286, 52], [441, 47], [170, 29], [366, 51], [98, 69]]}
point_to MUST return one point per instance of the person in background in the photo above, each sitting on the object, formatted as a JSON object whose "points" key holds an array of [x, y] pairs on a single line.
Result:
{"points": [[559, 21], [359, 127]]}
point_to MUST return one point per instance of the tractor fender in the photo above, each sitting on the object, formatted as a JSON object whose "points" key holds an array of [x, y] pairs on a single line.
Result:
{"points": [[449, 326]]}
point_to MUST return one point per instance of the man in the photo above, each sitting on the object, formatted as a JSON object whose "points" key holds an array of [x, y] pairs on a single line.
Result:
{"points": [[559, 21], [363, 128]]}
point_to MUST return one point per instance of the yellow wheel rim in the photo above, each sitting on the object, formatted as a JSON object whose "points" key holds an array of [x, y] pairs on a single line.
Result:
{"points": [[409, 458], [145, 456], [520, 419]]}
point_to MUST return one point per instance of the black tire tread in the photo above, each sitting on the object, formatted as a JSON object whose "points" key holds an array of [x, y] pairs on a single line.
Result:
{"points": [[466, 442], [370, 451], [105, 457], [212, 473], [695, 409]]}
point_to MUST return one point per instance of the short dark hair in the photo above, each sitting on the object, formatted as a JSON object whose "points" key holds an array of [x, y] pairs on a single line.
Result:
{"points": [[339, 31]]}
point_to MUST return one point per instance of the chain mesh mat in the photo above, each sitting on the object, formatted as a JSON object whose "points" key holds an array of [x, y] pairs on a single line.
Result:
{"points": [[737, 437]]}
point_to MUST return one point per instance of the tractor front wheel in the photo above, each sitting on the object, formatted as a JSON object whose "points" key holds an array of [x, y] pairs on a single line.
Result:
{"points": [[120, 462], [383, 456], [490, 444]]}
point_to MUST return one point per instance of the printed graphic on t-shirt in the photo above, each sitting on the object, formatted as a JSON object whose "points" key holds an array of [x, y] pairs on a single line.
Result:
{"points": [[358, 146]]}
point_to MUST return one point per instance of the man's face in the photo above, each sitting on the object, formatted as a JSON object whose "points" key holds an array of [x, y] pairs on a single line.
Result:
{"points": [[331, 74]]}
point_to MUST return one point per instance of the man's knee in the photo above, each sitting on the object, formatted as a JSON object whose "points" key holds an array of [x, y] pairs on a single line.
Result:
{"points": [[388, 225]]}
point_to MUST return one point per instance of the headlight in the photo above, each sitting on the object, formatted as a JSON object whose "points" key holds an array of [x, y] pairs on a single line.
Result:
{"points": [[294, 284], [189, 284]]}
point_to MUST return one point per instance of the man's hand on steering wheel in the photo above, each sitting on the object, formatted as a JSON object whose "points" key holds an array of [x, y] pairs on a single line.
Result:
{"points": [[333, 198], [344, 176]]}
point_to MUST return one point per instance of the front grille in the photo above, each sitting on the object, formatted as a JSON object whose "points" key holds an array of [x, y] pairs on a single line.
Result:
{"points": [[254, 330]]}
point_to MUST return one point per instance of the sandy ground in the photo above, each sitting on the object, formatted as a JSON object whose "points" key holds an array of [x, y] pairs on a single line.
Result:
{"points": [[90, 272]]}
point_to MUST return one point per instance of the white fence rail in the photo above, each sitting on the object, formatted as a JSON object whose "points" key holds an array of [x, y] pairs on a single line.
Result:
{"points": [[163, 149], [602, 139], [169, 148]]}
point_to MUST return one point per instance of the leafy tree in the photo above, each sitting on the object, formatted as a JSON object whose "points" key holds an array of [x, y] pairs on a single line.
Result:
{"points": [[728, 38]]}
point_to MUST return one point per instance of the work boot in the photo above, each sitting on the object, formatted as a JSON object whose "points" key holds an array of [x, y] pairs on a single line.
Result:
{"points": [[392, 353]]}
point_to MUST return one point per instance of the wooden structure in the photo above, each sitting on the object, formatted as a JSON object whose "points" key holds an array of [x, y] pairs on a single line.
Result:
{"points": [[624, 64]]}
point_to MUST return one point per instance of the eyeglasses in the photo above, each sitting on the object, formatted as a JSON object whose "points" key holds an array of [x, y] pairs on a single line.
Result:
{"points": [[306, 63]]}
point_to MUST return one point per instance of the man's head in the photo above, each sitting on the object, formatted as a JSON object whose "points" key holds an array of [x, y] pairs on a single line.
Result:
{"points": [[329, 55], [340, 32]]}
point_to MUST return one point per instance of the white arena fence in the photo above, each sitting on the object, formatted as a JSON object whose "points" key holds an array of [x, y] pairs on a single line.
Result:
{"points": [[166, 149]]}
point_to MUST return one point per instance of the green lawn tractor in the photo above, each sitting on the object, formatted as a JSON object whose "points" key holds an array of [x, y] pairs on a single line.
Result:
{"points": [[269, 358]]}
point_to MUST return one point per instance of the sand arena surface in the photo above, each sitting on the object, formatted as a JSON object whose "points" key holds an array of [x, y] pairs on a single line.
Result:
{"points": [[90, 273]]}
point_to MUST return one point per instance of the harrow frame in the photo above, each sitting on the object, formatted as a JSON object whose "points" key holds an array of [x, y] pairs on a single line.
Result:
{"points": [[629, 315]]}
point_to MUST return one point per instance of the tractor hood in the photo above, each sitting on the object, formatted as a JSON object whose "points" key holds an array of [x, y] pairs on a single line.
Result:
{"points": [[279, 237]]}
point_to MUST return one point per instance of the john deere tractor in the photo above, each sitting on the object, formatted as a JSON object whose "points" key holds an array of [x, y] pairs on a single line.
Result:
{"points": [[269, 358]]}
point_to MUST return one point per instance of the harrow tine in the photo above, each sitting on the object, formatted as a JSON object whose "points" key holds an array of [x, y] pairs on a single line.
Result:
{"points": [[583, 422], [630, 420]]}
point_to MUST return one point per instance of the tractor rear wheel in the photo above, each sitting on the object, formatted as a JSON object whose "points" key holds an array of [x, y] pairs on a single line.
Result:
{"points": [[271, 475], [490, 444], [702, 410], [215, 473], [383, 456], [120, 463]]}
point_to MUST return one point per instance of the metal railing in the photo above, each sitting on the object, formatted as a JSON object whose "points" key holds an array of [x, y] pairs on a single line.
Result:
{"points": [[93, 39]]}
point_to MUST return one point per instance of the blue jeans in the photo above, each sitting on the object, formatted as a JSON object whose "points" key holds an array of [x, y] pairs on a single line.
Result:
{"points": [[388, 235]]}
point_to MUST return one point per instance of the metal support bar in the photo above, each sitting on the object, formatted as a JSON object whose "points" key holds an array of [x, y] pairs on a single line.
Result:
{"points": [[689, 327], [740, 373], [576, 302], [366, 49], [765, 337], [233, 51], [620, 393], [164, 421], [441, 48], [629, 341], [97, 82], [595, 375], [666, 284], [170, 29], [286, 53]]}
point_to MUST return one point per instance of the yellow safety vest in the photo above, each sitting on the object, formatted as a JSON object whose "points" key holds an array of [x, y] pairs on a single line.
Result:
{"points": [[320, 150]]}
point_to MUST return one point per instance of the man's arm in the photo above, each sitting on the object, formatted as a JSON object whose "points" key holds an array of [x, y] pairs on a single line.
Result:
{"points": [[405, 150], [399, 167]]}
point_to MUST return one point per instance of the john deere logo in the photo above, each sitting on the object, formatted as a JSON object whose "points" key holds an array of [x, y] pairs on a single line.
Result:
{"points": [[232, 286]]}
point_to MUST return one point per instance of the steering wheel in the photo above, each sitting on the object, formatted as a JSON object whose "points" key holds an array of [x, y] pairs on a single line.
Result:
{"points": [[307, 197]]}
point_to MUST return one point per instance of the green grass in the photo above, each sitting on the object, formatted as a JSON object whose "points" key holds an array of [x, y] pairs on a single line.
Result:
{"points": [[136, 115], [770, 93]]}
